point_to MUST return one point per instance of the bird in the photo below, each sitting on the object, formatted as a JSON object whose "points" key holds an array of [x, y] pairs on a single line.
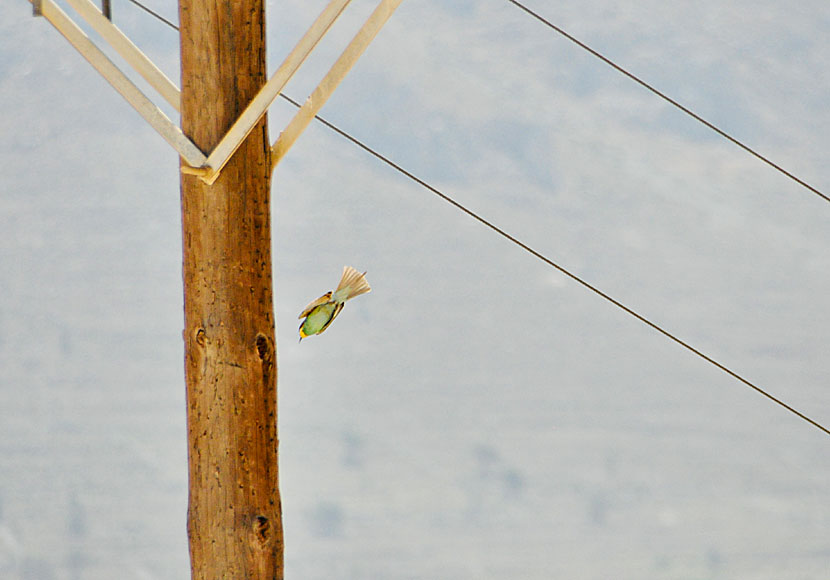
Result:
{"points": [[320, 313]]}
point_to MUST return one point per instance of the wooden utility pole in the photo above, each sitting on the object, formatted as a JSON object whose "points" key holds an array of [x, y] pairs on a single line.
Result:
{"points": [[234, 516], [234, 513]]}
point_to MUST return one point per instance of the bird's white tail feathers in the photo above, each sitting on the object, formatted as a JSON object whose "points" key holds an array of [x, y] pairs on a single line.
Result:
{"points": [[352, 284]]}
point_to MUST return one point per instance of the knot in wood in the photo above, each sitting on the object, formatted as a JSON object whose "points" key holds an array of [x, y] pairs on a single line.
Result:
{"points": [[262, 529], [263, 348]]}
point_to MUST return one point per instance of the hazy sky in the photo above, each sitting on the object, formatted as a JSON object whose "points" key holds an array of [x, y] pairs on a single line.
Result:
{"points": [[478, 415]]}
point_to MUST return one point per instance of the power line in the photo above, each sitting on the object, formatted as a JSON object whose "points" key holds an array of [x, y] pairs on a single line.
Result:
{"points": [[668, 99], [547, 260], [633, 77], [157, 15], [563, 270]]}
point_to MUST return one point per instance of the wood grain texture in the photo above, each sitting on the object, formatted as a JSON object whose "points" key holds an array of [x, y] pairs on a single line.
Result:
{"points": [[234, 512]]}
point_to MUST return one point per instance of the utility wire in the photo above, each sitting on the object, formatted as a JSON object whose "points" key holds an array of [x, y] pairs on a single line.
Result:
{"points": [[568, 273], [633, 77], [547, 260], [156, 14], [668, 99]]}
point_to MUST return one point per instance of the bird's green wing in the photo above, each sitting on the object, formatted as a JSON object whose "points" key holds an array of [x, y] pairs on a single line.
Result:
{"points": [[334, 314], [321, 300]]}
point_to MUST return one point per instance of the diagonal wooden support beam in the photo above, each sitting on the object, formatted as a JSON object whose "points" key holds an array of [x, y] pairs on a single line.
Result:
{"points": [[145, 107], [129, 51], [259, 105], [336, 74], [196, 163]]}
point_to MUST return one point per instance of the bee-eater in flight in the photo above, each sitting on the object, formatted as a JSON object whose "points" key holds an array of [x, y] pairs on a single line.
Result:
{"points": [[320, 313]]}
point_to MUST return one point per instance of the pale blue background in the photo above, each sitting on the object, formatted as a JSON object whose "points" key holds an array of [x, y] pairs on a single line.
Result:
{"points": [[478, 415]]}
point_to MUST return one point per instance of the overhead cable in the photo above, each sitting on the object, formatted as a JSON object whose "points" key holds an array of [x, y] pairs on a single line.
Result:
{"points": [[550, 262], [156, 14], [633, 77], [563, 270], [669, 100]]}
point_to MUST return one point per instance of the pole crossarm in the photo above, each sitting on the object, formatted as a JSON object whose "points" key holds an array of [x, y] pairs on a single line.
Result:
{"points": [[336, 74], [128, 51], [145, 107], [209, 167]]}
